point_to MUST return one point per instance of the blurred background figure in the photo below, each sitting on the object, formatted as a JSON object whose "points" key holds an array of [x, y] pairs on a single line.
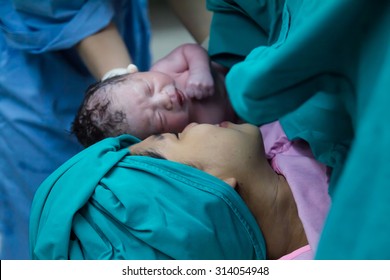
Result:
{"points": [[175, 22]]}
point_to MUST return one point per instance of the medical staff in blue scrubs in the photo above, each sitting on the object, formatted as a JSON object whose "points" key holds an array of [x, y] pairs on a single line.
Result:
{"points": [[48, 49]]}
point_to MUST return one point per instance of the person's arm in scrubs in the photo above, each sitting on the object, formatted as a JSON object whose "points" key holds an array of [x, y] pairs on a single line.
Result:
{"points": [[103, 51], [194, 16]]}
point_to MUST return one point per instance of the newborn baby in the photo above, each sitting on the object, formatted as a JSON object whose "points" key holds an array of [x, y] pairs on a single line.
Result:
{"points": [[181, 88]]}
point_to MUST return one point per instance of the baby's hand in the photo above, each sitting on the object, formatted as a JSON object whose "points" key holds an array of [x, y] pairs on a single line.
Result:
{"points": [[200, 85]]}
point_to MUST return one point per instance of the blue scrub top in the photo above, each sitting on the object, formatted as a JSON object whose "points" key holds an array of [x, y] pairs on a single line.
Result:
{"points": [[42, 82]]}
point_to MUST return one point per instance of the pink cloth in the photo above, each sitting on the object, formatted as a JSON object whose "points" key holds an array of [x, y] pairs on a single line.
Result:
{"points": [[308, 180], [303, 253]]}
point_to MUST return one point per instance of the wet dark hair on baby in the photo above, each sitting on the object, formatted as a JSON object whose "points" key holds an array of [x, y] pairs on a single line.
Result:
{"points": [[94, 120]]}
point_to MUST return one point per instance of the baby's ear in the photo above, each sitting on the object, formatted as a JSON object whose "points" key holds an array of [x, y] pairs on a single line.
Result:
{"points": [[231, 182]]}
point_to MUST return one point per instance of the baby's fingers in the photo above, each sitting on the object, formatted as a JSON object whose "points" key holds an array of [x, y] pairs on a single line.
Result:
{"points": [[199, 90]]}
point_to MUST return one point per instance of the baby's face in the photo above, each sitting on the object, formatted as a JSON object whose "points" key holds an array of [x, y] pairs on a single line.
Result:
{"points": [[152, 103]]}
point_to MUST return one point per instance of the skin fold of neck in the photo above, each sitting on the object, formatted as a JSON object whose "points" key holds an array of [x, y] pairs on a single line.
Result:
{"points": [[273, 205]]}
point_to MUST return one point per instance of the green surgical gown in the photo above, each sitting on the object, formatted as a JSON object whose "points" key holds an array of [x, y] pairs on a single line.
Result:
{"points": [[322, 68]]}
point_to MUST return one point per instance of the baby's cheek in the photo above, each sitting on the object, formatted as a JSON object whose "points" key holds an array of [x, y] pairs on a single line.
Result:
{"points": [[177, 123]]}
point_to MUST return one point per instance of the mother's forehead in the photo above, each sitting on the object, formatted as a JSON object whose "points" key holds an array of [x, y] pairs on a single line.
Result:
{"points": [[150, 142]]}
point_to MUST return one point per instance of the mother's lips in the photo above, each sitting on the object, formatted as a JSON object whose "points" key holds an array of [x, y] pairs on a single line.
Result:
{"points": [[224, 124]]}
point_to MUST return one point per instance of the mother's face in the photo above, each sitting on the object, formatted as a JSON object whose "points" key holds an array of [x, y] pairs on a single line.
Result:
{"points": [[221, 150]]}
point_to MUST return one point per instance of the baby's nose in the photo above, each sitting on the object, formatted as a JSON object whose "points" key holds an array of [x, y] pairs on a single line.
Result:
{"points": [[162, 100]]}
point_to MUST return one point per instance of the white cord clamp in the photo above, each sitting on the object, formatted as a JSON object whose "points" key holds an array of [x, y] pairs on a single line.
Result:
{"points": [[120, 71]]}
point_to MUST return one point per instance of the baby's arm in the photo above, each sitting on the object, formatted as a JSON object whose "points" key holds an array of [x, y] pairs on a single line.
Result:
{"points": [[194, 59], [200, 83]]}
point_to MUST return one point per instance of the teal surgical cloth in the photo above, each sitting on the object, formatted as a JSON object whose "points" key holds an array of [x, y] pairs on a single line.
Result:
{"points": [[326, 78], [240, 26], [107, 204]]}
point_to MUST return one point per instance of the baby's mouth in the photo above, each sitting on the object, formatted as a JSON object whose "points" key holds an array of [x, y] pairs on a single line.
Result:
{"points": [[180, 97]]}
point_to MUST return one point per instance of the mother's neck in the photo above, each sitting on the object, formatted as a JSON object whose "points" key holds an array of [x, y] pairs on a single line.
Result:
{"points": [[272, 203]]}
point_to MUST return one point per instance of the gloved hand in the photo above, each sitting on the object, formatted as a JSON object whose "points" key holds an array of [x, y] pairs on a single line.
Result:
{"points": [[120, 71]]}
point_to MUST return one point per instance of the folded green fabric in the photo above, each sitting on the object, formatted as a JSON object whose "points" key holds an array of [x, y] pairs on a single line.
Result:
{"points": [[326, 78], [240, 26], [105, 203]]}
